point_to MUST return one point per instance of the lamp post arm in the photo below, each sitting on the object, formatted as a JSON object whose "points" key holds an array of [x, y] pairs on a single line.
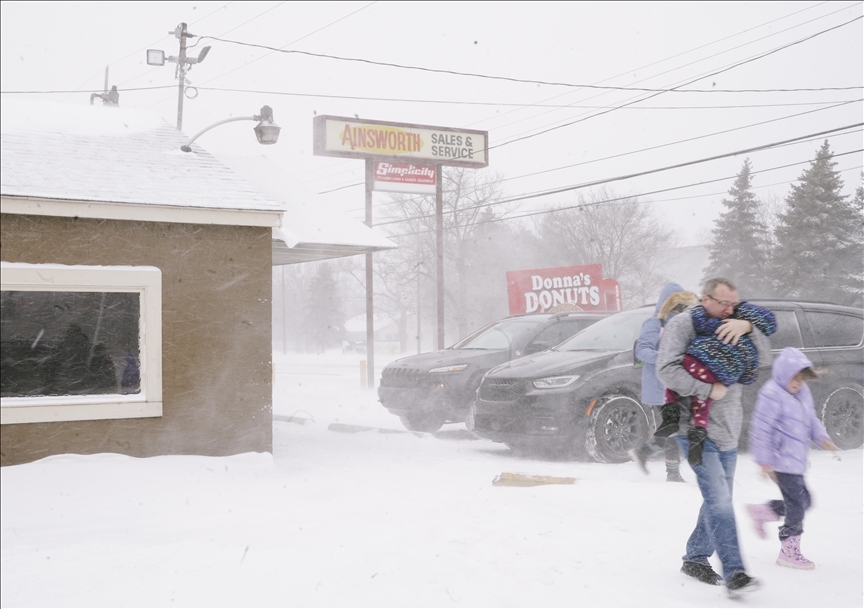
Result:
{"points": [[188, 147]]}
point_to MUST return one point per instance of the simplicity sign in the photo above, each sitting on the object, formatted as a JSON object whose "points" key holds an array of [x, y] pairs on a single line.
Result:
{"points": [[363, 139]]}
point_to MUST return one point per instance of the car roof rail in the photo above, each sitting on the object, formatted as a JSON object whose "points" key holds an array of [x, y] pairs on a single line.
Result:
{"points": [[798, 301]]}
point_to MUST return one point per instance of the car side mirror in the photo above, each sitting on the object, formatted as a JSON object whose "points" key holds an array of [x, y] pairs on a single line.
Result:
{"points": [[537, 347]]}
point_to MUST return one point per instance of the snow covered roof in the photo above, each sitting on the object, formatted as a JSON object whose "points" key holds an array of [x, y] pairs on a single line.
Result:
{"points": [[310, 230], [118, 163], [126, 164]]}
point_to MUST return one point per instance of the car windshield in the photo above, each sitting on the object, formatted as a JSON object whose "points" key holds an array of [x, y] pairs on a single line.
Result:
{"points": [[499, 335], [615, 333]]}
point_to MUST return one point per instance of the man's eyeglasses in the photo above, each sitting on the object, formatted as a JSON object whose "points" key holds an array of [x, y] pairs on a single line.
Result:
{"points": [[723, 303]]}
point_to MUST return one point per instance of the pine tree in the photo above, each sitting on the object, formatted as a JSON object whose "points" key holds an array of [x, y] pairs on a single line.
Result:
{"points": [[820, 250], [739, 240], [324, 321]]}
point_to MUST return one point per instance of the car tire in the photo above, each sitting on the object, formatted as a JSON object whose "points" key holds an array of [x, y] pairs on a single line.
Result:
{"points": [[842, 414], [427, 422], [617, 424]]}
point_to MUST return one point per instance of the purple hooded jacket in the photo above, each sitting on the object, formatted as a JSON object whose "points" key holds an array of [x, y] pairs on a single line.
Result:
{"points": [[783, 424]]}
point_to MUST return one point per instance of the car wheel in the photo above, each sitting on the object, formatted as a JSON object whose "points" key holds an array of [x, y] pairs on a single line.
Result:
{"points": [[842, 415], [427, 422], [616, 425]]}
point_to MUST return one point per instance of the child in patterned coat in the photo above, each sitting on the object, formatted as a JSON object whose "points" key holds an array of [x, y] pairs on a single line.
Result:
{"points": [[709, 360]]}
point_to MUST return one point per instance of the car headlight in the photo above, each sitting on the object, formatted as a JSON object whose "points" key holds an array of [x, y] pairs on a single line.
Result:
{"points": [[555, 382], [455, 368]]}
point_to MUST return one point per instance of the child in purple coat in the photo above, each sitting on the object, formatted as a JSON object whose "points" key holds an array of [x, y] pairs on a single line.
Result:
{"points": [[783, 425]]}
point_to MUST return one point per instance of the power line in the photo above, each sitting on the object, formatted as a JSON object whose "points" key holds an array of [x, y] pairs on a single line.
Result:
{"points": [[288, 44], [554, 83], [554, 191], [691, 139], [726, 69], [82, 85], [580, 205], [614, 156], [282, 48], [777, 33], [753, 173], [438, 101], [645, 98]]}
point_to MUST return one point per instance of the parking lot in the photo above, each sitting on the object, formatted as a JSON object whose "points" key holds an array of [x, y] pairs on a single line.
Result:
{"points": [[422, 514]]}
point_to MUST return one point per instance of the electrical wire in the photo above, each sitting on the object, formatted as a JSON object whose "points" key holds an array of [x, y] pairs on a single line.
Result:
{"points": [[777, 33], [660, 92], [691, 139], [563, 84], [554, 191], [81, 86], [582, 205], [582, 163], [439, 101], [263, 56], [481, 186]]}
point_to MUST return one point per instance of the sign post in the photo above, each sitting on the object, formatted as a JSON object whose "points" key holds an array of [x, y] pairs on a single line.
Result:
{"points": [[401, 156]]}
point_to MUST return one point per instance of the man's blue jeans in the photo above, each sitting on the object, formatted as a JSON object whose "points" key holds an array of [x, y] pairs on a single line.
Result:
{"points": [[715, 530]]}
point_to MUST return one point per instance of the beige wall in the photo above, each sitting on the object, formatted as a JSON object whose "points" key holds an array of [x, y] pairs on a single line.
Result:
{"points": [[216, 335]]}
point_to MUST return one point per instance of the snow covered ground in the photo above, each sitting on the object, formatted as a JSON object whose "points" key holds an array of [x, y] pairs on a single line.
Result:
{"points": [[377, 519]]}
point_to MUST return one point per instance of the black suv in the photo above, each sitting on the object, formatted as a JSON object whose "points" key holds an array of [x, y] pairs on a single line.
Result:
{"points": [[430, 389], [583, 396]]}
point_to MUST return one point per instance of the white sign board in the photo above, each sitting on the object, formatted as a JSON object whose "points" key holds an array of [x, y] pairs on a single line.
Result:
{"points": [[403, 177], [359, 138]]}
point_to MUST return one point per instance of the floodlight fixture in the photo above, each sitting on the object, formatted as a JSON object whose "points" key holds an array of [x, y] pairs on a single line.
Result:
{"points": [[200, 57], [155, 57]]}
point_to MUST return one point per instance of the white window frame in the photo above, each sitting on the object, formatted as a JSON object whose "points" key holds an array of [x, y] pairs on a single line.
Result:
{"points": [[147, 282]]}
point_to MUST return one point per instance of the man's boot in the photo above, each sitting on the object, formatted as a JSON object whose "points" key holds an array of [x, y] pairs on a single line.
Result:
{"points": [[790, 555]]}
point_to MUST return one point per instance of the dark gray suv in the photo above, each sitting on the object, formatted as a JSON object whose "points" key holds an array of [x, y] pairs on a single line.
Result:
{"points": [[430, 389], [583, 395]]}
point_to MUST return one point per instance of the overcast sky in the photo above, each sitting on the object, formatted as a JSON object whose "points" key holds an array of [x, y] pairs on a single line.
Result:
{"points": [[766, 71]]}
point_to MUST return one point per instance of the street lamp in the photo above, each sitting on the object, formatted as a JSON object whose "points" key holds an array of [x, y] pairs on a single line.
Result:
{"points": [[266, 130]]}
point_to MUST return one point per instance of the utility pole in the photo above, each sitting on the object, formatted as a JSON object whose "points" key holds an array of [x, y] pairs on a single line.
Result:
{"points": [[370, 291], [439, 252], [181, 33], [155, 57]]}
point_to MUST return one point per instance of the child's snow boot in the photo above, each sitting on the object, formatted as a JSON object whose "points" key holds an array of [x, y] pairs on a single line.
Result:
{"points": [[641, 454], [669, 425], [696, 436], [761, 514], [790, 554]]}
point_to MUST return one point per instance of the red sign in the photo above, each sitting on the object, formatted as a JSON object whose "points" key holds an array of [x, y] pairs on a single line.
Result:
{"points": [[403, 177], [612, 294], [563, 288]]}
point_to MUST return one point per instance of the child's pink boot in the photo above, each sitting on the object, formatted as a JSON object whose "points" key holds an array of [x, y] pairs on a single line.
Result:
{"points": [[790, 555], [761, 514]]}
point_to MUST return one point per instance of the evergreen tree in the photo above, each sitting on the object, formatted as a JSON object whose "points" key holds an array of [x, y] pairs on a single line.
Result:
{"points": [[739, 240], [324, 321], [820, 250]]}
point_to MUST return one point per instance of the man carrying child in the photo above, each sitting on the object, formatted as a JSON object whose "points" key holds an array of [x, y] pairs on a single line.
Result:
{"points": [[716, 530]]}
